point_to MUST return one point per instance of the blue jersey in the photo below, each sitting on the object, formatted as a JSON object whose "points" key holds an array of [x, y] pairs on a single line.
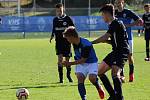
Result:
{"points": [[85, 50], [127, 16]]}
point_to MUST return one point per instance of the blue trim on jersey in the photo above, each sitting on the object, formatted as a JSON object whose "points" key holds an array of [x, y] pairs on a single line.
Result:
{"points": [[80, 50]]}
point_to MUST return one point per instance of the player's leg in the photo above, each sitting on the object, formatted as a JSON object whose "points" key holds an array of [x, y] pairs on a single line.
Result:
{"points": [[147, 51], [131, 62], [103, 68], [60, 68], [117, 82], [93, 71], [81, 73], [68, 70]]}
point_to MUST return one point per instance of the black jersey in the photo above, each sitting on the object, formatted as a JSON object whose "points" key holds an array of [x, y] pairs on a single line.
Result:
{"points": [[119, 37], [146, 19], [59, 26]]}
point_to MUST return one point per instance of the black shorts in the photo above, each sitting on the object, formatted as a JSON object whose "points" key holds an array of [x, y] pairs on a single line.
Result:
{"points": [[64, 48], [147, 34], [118, 59]]}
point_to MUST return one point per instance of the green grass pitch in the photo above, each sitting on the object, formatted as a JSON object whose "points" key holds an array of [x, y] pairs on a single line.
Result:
{"points": [[32, 63]]}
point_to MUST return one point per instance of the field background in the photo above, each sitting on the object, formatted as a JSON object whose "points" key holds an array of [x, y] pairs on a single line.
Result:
{"points": [[31, 63]]}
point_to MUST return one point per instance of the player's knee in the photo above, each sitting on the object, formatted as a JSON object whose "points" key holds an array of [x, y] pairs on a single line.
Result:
{"points": [[92, 78], [80, 77], [115, 74]]}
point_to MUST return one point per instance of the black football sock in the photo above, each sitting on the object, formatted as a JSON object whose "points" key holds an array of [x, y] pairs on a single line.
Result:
{"points": [[107, 85], [147, 48], [118, 88], [60, 71], [131, 67], [68, 74], [82, 91], [122, 72]]}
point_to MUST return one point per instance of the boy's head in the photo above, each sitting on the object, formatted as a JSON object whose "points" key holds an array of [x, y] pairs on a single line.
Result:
{"points": [[107, 12], [147, 7], [59, 9], [71, 34], [119, 4]]}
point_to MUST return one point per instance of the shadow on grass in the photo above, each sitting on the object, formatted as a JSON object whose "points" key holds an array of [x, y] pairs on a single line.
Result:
{"points": [[48, 85]]}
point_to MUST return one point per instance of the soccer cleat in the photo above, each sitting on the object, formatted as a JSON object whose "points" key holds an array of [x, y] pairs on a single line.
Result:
{"points": [[69, 78], [101, 93], [131, 77], [147, 59], [61, 81], [122, 78]]}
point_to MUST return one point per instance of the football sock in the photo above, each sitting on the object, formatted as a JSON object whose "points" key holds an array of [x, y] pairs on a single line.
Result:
{"points": [[60, 71], [107, 85], [82, 91], [122, 72], [131, 66], [118, 88], [147, 48], [68, 74], [96, 84]]}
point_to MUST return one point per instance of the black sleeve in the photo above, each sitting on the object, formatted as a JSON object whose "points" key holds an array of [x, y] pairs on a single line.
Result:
{"points": [[53, 30], [111, 29], [86, 51], [70, 21]]}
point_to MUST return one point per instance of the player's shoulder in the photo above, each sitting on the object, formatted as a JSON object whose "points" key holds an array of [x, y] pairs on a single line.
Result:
{"points": [[55, 18], [85, 42], [127, 10], [67, 17]]}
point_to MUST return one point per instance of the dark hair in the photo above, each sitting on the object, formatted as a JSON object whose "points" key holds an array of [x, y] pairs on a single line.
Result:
{"points": [[59, 5], [108, 8], [70, 31], [146, 5]]}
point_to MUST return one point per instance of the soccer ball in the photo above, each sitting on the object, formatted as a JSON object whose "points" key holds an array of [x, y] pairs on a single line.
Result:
{"points": [[22, 94]]}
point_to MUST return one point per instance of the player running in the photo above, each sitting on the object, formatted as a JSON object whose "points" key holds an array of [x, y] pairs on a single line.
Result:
{"points": [[127, 16], [119, 55], [63, 47], [85, 61], [146, 19]]}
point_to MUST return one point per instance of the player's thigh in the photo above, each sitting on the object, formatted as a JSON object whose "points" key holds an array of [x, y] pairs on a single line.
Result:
{"points": [[131, 46], [67, 58], [116, 70], [81, 72], [103, 68]]}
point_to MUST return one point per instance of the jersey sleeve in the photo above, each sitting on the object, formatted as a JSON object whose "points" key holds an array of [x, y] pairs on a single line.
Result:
{"points": [[70, 21], [133, 16], [86, 51], [53, 29], [111, 29]]}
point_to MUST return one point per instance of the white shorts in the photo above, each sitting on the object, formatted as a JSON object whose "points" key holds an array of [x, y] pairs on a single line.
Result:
{"points": [[131, 46], [87, 68]]}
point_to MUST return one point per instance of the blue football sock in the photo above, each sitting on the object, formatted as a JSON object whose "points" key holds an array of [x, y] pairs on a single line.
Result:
{"points": [[82, 91], [96, 84]]}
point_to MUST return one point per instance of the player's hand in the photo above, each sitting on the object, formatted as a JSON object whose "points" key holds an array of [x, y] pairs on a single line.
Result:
{"points": [[50, 41], [66, 63]]}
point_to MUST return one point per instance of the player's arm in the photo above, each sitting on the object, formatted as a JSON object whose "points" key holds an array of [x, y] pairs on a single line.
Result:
{"points": [[53, 32], [84, 55], [70, 21], [137, 20], [80, 61], [103, 39]]}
